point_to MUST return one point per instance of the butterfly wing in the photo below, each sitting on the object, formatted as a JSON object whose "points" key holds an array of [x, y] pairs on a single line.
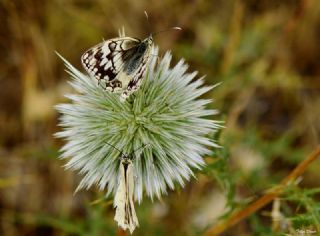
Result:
{"points": [[137, 76], [123, 200], [137, 65], [119, 64], [106, 61]]}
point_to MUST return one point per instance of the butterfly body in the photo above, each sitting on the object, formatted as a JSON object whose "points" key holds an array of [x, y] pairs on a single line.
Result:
{"points": [[118, 64]]}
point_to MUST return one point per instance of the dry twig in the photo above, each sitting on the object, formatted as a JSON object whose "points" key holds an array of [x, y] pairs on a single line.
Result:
{"points": [[264, 200]]}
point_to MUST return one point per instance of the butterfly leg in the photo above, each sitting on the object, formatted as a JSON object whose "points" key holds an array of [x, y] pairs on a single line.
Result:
{"points": [[113, 85], [99, 82], [124, 96]]}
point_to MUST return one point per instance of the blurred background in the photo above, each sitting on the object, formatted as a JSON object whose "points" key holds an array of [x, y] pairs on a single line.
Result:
{"points": [[266, 53]]}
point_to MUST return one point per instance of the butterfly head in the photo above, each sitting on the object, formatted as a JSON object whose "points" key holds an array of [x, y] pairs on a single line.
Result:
{"points": [[145, 45], [148, 41], [126, 159]]}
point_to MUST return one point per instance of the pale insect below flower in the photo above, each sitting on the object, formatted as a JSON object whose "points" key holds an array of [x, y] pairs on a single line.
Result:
{"points": [[123, 202], [123, 199]]}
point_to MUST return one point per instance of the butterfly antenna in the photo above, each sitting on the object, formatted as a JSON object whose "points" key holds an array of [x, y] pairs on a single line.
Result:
{"points": [[116, 149], [147, 17], [142, 147], [161, 31]]}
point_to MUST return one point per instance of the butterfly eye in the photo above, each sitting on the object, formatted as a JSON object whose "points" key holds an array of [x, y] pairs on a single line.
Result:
{"points": [[112, 46]]}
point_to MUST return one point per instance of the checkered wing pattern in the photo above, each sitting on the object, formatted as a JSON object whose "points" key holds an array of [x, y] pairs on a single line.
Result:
{"points": [[118, 64]]}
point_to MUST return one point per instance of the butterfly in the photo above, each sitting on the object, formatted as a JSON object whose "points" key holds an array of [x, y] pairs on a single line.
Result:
{"points": [[119, 64], [123, 200]]}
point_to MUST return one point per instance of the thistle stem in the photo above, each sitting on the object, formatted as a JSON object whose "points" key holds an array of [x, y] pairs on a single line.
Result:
{"points": [[265, 199]]}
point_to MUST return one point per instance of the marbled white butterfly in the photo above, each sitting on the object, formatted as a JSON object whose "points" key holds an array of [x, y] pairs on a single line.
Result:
{"points": [[119, 64]]}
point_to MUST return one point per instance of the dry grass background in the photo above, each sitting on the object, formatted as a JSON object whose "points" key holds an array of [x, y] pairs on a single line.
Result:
{"points": [[266, 53]]}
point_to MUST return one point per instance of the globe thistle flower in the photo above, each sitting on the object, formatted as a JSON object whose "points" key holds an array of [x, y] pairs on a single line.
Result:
{"points": [[166, 113]]}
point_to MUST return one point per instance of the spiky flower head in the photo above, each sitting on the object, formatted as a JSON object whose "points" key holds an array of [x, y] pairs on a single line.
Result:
{"points": [[166, 113]]}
